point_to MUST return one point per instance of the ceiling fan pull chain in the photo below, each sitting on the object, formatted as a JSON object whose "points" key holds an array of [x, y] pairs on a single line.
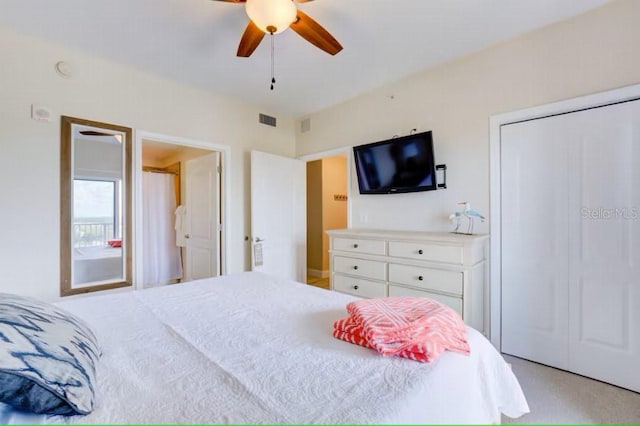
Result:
{"points": [[273, 78]]}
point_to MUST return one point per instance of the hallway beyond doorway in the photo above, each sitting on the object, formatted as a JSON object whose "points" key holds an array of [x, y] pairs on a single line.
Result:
{"points": [[318, 282]]}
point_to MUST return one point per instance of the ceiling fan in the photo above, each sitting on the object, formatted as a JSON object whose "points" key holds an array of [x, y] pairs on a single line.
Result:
{"points": [[112, 137], [94, 133], [275, 16]]}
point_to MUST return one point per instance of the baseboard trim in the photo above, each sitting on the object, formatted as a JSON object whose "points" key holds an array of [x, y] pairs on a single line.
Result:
{"points": [[317, 273]]}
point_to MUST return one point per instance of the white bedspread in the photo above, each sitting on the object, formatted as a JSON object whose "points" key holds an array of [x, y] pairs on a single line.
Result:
{"points": [[250, 348]]}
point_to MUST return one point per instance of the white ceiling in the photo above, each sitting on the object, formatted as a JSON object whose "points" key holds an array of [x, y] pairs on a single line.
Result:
{"points": [[194, 41], [162, 154]]}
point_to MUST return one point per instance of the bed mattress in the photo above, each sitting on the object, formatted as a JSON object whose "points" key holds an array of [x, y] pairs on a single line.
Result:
{"points": [[251, 348]]}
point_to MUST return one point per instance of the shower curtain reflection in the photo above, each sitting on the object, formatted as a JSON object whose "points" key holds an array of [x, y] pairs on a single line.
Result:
{"points": [[161, 257]]}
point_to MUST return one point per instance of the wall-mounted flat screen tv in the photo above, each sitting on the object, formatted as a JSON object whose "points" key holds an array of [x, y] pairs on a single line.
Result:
{"points": [[403, 164]]}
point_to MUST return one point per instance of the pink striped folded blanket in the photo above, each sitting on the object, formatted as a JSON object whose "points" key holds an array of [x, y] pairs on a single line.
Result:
{"points": [[417, 328]]}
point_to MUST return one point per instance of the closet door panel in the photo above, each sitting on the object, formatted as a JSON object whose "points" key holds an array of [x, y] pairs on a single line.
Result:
{"points": [[534, 159], [604, 293]]}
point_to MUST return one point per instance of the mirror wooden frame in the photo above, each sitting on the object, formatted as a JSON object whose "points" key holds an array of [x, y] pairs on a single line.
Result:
{"points": [[66, 200]]}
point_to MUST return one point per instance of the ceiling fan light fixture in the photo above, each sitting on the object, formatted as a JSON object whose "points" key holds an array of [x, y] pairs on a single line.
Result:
{"points": [[271, 16]]}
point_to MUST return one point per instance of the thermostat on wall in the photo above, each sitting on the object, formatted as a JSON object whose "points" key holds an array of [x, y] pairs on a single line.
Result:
{"points": [[40, 113]]}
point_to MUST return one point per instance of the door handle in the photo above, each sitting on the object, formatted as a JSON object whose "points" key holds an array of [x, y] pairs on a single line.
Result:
{"points": [[259, 240], [187, 236]]}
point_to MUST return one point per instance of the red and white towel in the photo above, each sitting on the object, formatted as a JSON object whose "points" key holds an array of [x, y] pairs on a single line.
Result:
{"points": [[412, 327]]}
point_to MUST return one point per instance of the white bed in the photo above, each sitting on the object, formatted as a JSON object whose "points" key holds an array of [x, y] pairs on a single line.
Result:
{"points": [[250, 348]]}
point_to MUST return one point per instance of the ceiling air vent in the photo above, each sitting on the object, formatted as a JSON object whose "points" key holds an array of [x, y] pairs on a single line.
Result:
{"points": [[268, 120]]}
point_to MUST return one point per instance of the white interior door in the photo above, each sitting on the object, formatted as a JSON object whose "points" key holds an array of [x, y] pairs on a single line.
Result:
{"points": [[571, 242], [535, 257], [202, 202], [278, 215], [604, 320]]}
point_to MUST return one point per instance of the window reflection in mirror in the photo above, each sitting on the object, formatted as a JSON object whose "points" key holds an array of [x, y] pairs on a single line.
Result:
{"points": [[95, 206]]}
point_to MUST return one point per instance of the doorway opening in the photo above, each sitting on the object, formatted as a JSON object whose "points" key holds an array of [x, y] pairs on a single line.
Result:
{"points": [[327, 208], [180, 204]]}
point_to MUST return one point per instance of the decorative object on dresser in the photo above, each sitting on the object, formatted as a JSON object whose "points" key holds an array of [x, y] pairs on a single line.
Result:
{"points": [[449, 268], [470, 214]]}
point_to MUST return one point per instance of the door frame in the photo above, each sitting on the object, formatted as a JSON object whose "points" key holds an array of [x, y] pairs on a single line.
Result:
{"points": [[494, 309], [348, 151], [225, 199]]}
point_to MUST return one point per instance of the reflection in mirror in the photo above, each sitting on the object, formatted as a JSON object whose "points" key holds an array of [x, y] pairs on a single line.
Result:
{"points": [[95, 237]]}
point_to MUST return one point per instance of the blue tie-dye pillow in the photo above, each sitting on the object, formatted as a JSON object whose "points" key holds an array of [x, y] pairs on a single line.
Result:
{"points": [[48, 358]]}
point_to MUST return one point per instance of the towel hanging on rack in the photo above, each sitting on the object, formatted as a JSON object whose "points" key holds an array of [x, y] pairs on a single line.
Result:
{"points": [[180, 226]]}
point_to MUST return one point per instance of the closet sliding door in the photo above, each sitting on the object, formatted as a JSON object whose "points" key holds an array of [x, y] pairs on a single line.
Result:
{"points": [[571, 293], [604, 285], [535, 254]]}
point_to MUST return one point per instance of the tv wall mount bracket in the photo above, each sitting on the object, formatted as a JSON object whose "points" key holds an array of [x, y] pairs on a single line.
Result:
{"points": [[442, 167]]}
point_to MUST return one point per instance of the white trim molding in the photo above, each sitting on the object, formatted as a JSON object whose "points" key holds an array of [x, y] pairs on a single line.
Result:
{"points": [[225, 162], [496, 122], [317, 273]]}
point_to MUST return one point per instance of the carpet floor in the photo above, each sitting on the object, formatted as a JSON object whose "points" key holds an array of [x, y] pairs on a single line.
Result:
{"points": [[556, 396]]}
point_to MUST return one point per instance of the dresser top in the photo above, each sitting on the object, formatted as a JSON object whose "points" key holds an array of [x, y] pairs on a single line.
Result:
{"points": [[406, 235]]}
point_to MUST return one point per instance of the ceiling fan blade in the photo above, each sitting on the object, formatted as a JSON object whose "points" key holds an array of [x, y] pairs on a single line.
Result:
{"points": [[251, 38], [315, 34], [94, 133], [244, 1]]}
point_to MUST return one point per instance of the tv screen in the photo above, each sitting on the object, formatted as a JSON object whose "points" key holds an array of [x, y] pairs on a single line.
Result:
{"points": [[403, 164]]}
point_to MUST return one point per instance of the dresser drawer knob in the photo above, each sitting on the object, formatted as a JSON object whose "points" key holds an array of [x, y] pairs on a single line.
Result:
{"points": [[420, 251], [355, 287], [420, 278], [355, 267], [355, 246]]}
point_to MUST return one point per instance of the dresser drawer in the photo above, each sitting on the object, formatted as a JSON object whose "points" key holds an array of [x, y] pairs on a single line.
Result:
{"points": [[358, 286], [360, 267], [425, 251], [427, 278], [453, 302], [360, 246]]}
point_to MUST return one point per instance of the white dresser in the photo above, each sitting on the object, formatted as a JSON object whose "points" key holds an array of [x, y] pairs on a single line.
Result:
{"points": [[449, 268]]}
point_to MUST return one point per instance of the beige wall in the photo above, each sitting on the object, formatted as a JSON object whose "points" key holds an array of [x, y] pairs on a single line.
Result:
{"points": [[314, 215], [109, 92], [593, 52]]}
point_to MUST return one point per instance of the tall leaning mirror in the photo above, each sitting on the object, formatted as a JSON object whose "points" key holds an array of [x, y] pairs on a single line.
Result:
{"points": [[95, 206]]}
